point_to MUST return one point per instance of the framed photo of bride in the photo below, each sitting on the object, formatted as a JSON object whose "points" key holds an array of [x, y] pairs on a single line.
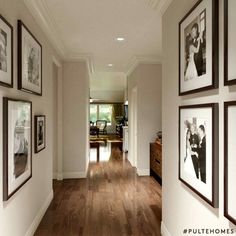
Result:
{"points": [[229, 42], [198, 48], [198, 150]]}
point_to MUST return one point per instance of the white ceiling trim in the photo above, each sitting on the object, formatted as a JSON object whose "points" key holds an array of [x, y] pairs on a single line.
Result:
{"points": [[40, 12], [137, 60], [88, 58], [162, 6]]}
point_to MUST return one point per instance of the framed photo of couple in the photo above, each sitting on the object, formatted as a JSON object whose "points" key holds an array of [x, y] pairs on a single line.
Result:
{"points": [[230, 160], [198, 48], [198, 150], [229, 42]]}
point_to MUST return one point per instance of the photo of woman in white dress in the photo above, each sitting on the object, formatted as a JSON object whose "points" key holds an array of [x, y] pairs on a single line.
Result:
{"points": [[193, 45]]}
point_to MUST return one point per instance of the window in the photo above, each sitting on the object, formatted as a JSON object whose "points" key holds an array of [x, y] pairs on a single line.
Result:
{"points": [[101, 112]]}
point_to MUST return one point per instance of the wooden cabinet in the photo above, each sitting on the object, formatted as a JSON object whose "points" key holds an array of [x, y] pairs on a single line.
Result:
{"points": [[156, 158]]}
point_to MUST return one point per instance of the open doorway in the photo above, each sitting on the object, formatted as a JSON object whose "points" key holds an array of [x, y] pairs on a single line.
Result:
{"points": [[107, 120]]}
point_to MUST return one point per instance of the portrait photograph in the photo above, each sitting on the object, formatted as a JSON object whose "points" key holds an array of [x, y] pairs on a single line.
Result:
{"points": [[229, 42], [30, 61], [230, 160], [6, 53], [17, 145], [197, 44], [40, 133], [197, 149]]}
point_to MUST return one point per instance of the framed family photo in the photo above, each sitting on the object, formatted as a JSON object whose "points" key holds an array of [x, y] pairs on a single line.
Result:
{"points": [[229, 42], [6, 53], [198, 48], [230, 160], [17, 145], [29, 61], [198, 150], [40, 133]]}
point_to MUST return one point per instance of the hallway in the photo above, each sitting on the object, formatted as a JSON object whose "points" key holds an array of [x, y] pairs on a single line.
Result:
{"points": [[113, 200]]}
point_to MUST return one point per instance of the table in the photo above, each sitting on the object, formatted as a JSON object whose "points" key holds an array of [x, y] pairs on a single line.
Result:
{"points": [[94, 144]]}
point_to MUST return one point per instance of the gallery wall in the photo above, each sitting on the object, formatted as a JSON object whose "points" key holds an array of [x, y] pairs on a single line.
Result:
{"points": [[20, 215], [75, 119], [146, 78], [181, 207]]}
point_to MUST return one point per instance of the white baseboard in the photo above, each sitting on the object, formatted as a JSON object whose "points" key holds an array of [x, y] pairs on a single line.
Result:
{"points": [[143, 172], [164, 230], [31, 230], [74, 175]]}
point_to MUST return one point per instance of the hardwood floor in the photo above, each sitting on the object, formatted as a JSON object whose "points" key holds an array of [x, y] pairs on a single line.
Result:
{"points": [[111, 201]]}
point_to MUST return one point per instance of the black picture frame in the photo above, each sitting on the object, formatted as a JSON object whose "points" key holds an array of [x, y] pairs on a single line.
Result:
{"points": [[213, 111], [40, 134], [17, 159], [228, 161], [227, 81], [29, 49], [6, 75], [211, 75]]}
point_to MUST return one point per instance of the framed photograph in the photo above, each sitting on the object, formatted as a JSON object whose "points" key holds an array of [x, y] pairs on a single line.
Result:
{"points": [[230, 160], [198, 48], [229, 42], [29, 61], [6, 53], [198, 150], [40, 133], [17, 145]]}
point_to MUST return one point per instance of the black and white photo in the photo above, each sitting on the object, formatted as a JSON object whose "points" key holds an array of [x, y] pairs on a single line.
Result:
{"points": [[17, 145], [230, 160], [198, 155], [229, 42], [40, 133], [198, 49], [29, 60], [6, 53]]}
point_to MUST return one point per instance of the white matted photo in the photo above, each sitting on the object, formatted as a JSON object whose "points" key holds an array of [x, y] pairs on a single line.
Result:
{"points": [[40, 133], [198, 155], [17, 145], [198, 48], [6, 53], [29, 61], [229, 43], [230, 161]]}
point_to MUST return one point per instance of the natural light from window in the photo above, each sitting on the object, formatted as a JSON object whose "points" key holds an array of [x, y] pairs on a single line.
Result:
{"points": [[101, 112]]}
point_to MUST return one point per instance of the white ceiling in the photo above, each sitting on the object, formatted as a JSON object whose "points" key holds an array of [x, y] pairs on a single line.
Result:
{"points": [[87, 29]]}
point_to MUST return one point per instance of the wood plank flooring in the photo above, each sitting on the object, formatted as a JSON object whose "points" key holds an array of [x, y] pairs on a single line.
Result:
{"points": [[111, 201]]}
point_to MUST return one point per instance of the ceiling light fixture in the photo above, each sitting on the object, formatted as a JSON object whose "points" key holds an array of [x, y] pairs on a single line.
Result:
{"points": [[110, 65], [120, 39]]}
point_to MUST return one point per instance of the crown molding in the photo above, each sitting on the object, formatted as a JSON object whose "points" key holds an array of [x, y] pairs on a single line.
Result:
{"points": [[78, 57], [162, 6], [39, 11], [138, 60]]}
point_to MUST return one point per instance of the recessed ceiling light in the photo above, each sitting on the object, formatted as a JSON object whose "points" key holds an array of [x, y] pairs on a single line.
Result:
{"points": [[110, 65], [120, 39]]}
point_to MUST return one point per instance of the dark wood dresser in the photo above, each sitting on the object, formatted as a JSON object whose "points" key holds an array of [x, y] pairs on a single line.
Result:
{"points": [[156, 160]]}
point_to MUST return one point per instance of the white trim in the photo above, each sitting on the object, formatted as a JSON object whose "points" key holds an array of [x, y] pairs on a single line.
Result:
{"points": [[31, 230], [164, 230], [162, 6], [56, 61], [143, 172], [75, 57], [39, 11], [137, 60], [74, 175]]}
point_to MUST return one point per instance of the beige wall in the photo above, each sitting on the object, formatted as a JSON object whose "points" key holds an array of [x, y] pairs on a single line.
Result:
{"points": [[21, 214], [181, 207], [75, 119], [147, 79]]}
